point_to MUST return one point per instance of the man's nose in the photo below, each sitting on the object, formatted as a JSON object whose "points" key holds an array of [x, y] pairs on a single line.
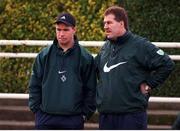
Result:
{"points": [[61, 33], [105, 26]]}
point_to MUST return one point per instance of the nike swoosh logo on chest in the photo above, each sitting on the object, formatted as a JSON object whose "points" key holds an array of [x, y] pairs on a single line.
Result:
{"points": [[108, 69]]}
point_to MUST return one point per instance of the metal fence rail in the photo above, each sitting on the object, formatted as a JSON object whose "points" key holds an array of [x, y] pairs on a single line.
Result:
{"points": [[152, 99], [33, 55], [83, 43]]}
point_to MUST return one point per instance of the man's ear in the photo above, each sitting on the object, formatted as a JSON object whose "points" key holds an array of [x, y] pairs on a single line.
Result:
{"points": [[74, 28], [122, 23]]}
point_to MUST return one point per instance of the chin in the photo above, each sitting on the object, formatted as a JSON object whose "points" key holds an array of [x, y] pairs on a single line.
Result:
{"points": [[109, 37], [63, 43]]}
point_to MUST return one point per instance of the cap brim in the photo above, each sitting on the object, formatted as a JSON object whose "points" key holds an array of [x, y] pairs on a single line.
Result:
{"points": [[64, 22]]}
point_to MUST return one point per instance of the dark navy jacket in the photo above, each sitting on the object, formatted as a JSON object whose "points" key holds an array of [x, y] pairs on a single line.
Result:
{"points": [[63, 82], [122, 66]]}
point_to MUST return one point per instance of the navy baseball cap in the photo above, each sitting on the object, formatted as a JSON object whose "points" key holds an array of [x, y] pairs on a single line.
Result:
{"points": [[66, 18]]}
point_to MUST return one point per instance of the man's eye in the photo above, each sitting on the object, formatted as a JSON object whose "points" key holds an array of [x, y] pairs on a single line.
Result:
{"points": [[107, 23]]}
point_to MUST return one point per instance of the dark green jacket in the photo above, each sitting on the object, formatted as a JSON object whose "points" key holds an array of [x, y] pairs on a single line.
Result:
{"points": [[63, 83], [122, 66]]}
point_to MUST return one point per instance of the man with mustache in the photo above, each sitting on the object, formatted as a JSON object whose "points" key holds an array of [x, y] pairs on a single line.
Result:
{"points": [[128, 68]]}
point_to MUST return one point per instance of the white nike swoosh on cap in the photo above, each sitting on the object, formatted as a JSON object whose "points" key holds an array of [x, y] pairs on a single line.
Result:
{"points": [[60, 72], [108, 69]]}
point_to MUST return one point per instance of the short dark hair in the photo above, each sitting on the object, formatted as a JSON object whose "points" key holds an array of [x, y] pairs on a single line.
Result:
{"points": [[119, 13]]}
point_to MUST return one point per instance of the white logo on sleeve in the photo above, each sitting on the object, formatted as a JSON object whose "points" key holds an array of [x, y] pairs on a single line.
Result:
{"points": [[160, 52], [108, 69]]}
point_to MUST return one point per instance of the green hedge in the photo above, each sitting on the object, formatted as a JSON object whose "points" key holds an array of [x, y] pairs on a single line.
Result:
{"points": [[33, 20]]}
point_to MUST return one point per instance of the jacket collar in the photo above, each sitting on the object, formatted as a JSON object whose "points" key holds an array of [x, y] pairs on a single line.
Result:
{"points": [[55, 42], [121, 39]]}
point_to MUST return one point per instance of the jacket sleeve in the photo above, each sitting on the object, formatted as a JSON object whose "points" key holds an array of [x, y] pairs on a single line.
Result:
{"points": [[35, 85], [89, 88], [157, 62], [96, 64]]}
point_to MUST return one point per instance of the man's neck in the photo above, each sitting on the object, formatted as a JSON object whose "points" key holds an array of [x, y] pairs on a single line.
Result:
{"points": [[120, 35], [66, 46]]}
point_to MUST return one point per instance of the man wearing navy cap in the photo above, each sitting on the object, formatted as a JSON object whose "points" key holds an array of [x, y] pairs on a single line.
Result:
{"points": [[63, 81]]}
